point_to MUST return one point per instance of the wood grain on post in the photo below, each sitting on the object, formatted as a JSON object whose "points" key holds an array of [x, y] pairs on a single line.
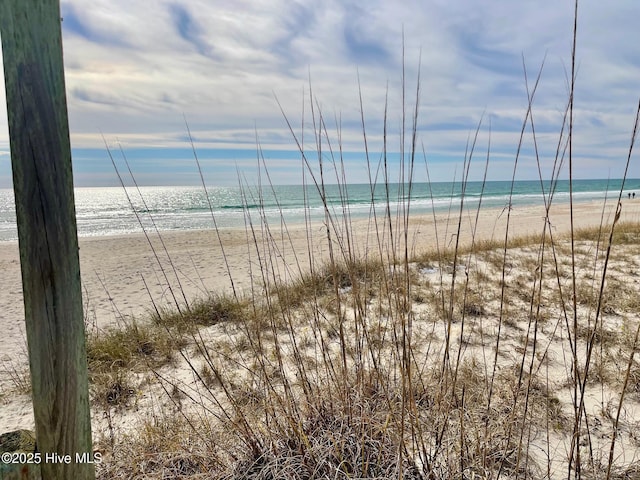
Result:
{"points": [[43, 187]]}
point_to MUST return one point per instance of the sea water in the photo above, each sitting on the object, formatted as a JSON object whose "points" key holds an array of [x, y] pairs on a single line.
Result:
{"points": [[115, 210]]}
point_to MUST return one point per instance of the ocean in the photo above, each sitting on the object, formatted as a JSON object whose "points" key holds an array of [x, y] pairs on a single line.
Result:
{"points": [[108, 211]]}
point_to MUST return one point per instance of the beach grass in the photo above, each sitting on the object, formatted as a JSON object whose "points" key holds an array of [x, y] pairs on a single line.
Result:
{"points": [[486, 355], [500, 356]]}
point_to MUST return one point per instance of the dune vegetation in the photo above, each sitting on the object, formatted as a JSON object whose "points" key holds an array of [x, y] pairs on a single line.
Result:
{"points": [[509, 356]]}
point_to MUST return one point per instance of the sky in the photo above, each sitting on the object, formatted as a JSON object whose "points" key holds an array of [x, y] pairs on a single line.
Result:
{"points": [[239, 72]]}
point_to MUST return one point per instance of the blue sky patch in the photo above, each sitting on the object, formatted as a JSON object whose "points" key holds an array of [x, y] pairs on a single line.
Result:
{"points": [[72, 24], [189, 29]]}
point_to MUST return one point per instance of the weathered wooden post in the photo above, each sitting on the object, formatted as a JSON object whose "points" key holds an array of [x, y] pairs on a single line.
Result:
{"points": [[43, 186]]}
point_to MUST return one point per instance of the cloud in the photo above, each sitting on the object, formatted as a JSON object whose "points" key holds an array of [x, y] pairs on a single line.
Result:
{"points": [[133, 69]]}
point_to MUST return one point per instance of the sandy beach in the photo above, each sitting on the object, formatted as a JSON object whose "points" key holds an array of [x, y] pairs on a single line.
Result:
{"points": [[122, 277]]}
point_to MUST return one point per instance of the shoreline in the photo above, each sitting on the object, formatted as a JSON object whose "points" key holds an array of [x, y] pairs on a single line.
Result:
{"points": [[128, 224]]}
